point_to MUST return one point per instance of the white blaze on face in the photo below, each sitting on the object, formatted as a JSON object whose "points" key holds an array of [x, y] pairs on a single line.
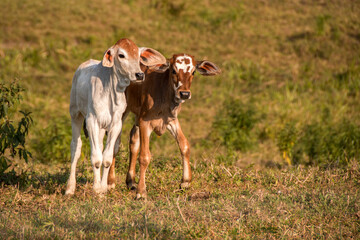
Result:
{"points": [[178, 86], [185, 64]]}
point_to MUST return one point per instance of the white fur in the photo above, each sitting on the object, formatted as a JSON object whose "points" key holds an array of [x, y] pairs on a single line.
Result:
{"points": [[97, 95], [178, 86], [177, 96], [183, 66]]}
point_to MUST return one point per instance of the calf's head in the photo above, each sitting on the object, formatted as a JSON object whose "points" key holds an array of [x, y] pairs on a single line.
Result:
{"points": [[125, 57], [182, 68]]}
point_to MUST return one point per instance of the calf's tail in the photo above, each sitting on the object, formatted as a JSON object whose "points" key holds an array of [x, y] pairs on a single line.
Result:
{"points": [[85, 130]]}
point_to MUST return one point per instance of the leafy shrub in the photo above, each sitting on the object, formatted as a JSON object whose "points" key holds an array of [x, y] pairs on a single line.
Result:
{"points": [[286, 140], [322, 144], [233, 125], [52, 144], [337, 144], [12, 134]]}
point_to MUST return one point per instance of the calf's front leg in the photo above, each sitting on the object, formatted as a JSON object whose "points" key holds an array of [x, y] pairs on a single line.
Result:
{"points": [[145, 157], [184, 146], [108, 155], [111, 176], [96, 157]]}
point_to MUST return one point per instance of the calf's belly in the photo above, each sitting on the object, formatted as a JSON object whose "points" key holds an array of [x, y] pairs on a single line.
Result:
{"points": [[159, 127]]}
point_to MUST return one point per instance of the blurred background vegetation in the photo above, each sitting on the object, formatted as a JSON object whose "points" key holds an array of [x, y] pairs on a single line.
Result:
{"points": [[288, 92]]}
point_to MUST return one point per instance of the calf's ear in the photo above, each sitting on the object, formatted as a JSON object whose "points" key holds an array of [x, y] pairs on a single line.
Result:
{"points": [[151, 57], [160, 68], [108, 59], [207, 68]]}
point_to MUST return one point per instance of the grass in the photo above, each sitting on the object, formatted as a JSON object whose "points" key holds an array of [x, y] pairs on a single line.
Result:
{"points": [[224, 202], [291, 63]]}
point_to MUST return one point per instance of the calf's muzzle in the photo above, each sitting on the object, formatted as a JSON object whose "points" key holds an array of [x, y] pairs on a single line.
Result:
{"points": [[139, 76], [185, 95]]}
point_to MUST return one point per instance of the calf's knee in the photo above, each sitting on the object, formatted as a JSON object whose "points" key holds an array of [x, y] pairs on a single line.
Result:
{"points": [[107, 163], [145, 160], [107, 159], [96, 160], [185, 150], [97, 164]]}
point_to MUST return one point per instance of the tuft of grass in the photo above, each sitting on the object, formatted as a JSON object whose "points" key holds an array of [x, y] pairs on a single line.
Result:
{"points": [[286, 140], [322, 23]]}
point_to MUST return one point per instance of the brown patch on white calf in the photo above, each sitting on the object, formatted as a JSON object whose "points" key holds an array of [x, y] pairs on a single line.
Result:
{"points": [[129, 46]]}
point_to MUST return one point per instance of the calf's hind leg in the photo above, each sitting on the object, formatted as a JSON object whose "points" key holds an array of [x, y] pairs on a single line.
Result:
{"points": [[134, 145], [111, 176], [76, 124]]}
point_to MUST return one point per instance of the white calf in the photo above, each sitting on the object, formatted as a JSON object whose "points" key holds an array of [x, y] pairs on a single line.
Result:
{"points": [[97, 95]]}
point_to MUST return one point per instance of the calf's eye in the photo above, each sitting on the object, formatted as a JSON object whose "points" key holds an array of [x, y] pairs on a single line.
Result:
{"points": [[173, 71], [193, 72], [121, 56]]}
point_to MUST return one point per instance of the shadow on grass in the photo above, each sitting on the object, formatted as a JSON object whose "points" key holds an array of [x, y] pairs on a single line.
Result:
{"points": [[146, 229], [300, 36], [122, 228], [49, 182]]}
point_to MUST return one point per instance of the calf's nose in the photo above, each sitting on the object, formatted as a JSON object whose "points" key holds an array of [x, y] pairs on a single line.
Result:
{"points": [[185, 95], [139, 76]]}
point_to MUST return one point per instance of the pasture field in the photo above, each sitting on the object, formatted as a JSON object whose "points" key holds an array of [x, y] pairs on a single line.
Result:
{"points": [[275, 139]]}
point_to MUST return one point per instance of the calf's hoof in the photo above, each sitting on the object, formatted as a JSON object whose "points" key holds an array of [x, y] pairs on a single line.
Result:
{"points": [[184, 185], [141, 196], [131, 185], [69, 191], [100, 189], [111, 186]]}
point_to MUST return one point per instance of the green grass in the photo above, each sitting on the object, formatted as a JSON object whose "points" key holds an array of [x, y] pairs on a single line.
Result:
{"points": [[293, 65]]}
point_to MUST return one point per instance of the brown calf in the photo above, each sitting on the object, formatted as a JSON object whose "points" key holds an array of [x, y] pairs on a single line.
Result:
{"points": [[156, 102]]}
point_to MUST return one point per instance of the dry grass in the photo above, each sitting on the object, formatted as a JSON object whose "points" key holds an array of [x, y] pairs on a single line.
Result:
{"points": [[222, 203]]}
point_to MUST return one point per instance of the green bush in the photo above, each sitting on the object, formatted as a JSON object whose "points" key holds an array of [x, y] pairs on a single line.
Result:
{"points": [[335, 144], [233, 124], [52, 144], [12, 134], [321, 144]]}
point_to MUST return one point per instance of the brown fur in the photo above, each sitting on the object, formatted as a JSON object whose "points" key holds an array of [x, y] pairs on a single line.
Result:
{"points": [[130, 47], [156, 106]]}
